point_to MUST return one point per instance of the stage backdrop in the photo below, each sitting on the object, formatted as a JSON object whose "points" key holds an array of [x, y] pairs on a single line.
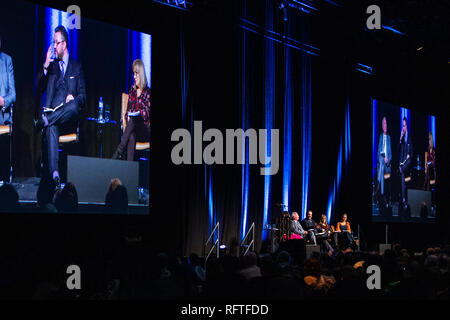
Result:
{"points": [[256, 71]]}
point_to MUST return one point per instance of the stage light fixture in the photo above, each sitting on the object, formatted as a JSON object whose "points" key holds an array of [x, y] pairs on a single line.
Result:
{"points": [[179, 4], [222, 250], [364, 68], [334, 3], [304, 5]]}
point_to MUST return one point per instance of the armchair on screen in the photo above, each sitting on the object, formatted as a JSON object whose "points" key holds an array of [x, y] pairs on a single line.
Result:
{"points": [[68, 144], [142, 147]]}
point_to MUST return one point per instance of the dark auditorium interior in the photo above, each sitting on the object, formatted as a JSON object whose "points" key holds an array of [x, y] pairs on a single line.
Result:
{"points": [[212, 232]]}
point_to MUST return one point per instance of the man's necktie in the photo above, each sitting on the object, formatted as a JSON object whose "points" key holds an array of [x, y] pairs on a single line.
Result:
{"points": [[61, 63]]}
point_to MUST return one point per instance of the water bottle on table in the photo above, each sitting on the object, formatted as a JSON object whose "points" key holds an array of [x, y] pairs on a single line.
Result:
{"points": [[100, 111], [107, 112]]}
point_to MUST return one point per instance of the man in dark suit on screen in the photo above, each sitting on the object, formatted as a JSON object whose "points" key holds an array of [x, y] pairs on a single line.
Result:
{"points": [[406, 152], [63, 80], [384, 157]]}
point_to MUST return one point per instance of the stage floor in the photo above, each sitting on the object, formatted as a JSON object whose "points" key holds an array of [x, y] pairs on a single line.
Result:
{"points": [[396, 213], [27, 190]]}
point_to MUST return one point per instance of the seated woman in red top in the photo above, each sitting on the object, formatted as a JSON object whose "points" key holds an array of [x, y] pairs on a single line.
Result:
{"points": [[138, 114]]}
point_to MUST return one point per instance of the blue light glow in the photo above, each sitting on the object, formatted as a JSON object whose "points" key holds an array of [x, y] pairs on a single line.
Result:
{"points": [[306, 131], [35, 46], [333, 3], [374, 151], [364, 71], [364, 68], [245, 178], [369, 68], [305, 4], [392, 29], [287, 157], [432, 128], [211, 204], [269, 88], [139, 47], [348, 142], [343, 144], [146, 55], [178, 4]]}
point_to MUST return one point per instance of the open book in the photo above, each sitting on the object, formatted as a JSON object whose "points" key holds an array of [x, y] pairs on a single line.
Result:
{"points": [[53, 109], [134, 114]]}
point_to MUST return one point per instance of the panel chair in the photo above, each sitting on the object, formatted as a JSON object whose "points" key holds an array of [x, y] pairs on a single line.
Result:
{"points": [[142, 147], [68, 143]]}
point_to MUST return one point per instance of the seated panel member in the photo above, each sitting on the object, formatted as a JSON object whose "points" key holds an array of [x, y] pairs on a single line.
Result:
{"points": [[326, 231], [430, 162], [311, 226], [138, 117], [384, 156], [343, 227], [296, 227], [7, 87], [406, 152], [63, 80]]}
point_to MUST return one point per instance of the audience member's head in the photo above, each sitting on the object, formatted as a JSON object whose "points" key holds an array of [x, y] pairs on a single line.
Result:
{"points": [[267, 265], [117, 201], [312, 268], [113, 184], [9, 198], [283, 259], [44, 193], [230, 264], [66, 200], [194, 259], [431, 261], [249, 260], [430, 251]]}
